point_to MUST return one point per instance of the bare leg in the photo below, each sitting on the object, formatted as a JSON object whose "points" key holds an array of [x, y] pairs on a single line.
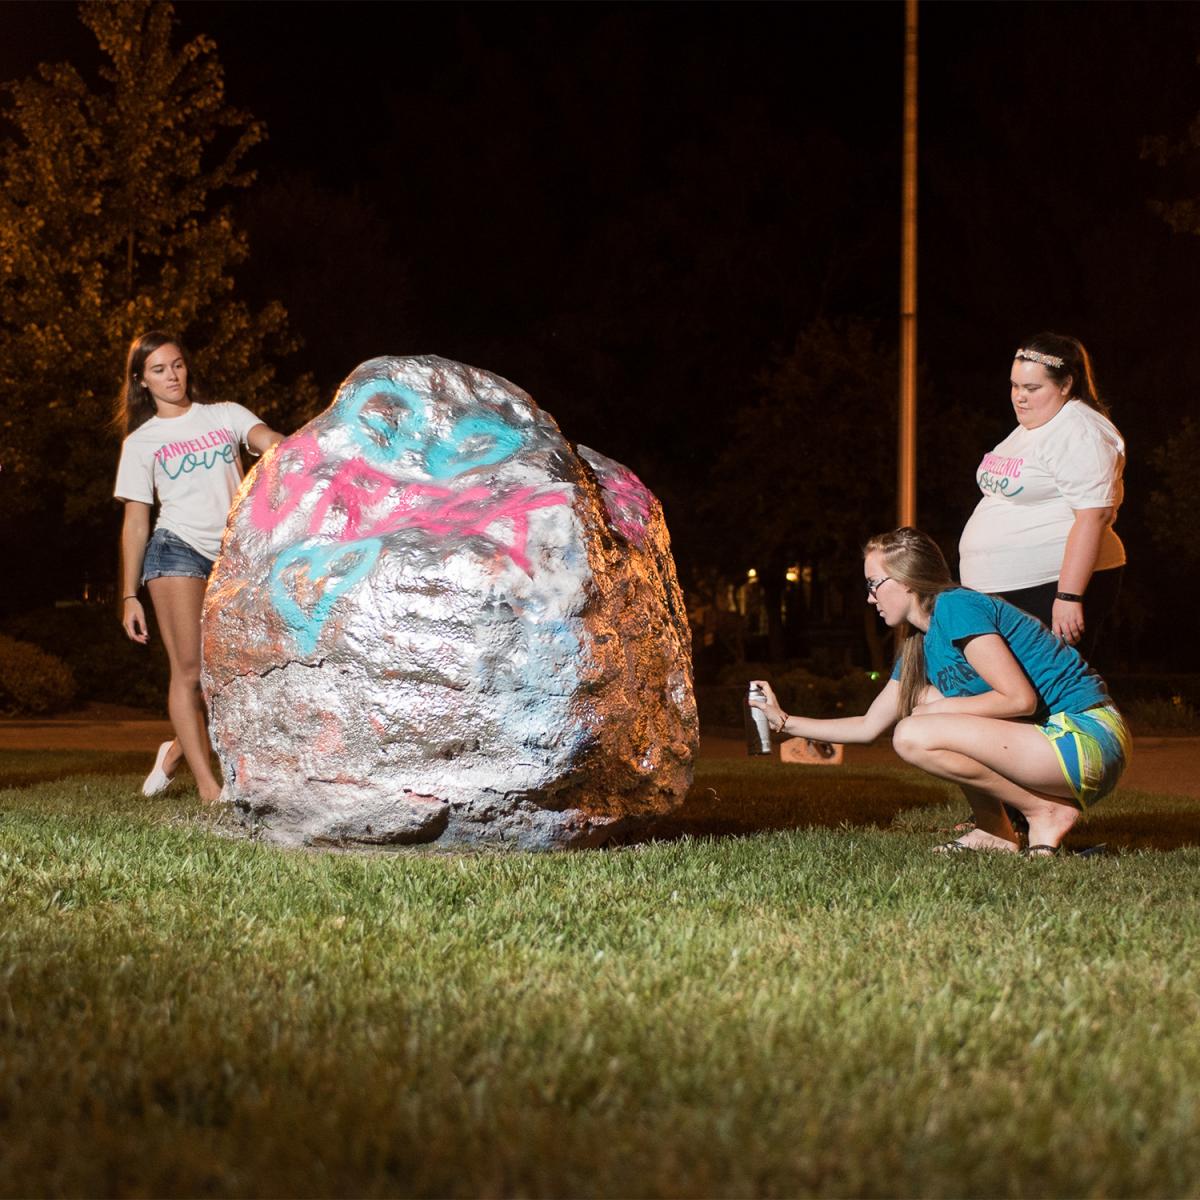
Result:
{"points": [[177, 602], [986, 815], [995, 763], [993, 827]]}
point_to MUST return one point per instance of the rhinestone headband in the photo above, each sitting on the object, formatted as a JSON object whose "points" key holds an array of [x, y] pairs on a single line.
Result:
{"points": [[1047, 360]]}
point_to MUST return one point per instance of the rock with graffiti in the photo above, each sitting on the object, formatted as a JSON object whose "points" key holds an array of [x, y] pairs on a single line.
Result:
{"points": [[434, 620]]}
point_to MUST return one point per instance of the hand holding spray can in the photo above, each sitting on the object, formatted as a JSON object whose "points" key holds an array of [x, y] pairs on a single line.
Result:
{"points": [[758, 732]]}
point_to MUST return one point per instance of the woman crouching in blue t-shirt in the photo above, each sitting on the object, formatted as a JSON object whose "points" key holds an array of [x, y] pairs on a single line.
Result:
{"points": [[984, 695]]}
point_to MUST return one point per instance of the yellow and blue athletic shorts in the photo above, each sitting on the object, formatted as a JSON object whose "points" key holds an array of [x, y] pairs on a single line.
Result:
{"points": [[1092, 747]]}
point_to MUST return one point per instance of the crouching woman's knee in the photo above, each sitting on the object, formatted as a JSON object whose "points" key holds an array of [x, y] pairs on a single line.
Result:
{"points": [[908, 738]]}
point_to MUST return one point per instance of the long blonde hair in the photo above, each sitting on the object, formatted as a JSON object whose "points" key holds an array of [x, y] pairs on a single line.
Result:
{"points": [[914, 560]]}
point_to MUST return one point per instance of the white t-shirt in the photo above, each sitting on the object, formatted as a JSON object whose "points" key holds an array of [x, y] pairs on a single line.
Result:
{"points": [[192, 464], [1032, 483]]}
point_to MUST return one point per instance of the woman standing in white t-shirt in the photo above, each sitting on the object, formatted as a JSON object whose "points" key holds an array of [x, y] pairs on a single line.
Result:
{"points": [[184, 454], [1042, 536]]}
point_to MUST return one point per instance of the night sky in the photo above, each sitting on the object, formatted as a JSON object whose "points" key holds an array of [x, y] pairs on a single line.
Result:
{"points": [[632, 210]]}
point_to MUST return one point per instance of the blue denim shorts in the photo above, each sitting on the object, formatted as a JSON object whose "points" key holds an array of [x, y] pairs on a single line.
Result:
{"points": [[168, 554]]}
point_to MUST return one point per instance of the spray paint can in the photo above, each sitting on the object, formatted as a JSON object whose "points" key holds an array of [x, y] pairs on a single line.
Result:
{"points": [[758, 732]]}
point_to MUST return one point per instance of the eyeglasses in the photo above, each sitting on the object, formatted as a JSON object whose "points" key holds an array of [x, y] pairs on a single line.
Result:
{"points": [[873, 586]]}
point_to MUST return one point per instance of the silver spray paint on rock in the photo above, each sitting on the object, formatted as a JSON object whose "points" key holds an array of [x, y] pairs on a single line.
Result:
{"points": [[433, 619]]}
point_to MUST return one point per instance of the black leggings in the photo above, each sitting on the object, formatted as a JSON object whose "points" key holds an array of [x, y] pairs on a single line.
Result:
{"points": [[1101, 598]]}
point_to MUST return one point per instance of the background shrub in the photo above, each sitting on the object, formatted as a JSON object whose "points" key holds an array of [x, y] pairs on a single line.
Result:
{"points": [[107, 666], [1161, 714], [799, 689], [31, 681]]}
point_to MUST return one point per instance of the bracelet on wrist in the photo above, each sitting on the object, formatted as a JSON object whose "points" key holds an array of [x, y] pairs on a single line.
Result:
{"points": [[1075, 599], [133, 597]]}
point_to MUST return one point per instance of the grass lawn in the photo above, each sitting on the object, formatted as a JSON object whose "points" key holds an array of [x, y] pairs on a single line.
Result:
{"points": [[824, 1008]]}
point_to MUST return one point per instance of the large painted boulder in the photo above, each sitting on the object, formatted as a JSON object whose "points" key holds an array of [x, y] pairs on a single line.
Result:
{"points": [[434, 620]]}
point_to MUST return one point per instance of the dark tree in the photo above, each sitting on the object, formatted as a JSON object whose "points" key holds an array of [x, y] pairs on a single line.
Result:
{"points": [[113, 220]]}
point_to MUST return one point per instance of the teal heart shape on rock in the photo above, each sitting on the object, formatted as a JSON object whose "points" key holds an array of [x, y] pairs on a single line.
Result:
{"points": [[473, 442], [380, 440], [323, 566]]}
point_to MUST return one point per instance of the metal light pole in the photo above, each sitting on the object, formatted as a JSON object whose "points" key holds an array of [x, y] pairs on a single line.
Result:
{"points": [[906, 475]]}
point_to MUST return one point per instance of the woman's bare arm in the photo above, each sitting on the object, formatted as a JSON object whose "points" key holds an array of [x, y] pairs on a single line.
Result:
{"points": [[1012, 696], [880, 717], [135, 533], [262, 437], [1079, 561]]}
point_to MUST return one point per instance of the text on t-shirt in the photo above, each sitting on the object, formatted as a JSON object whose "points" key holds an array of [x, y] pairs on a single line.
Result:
{"points": [[997, 474], [197, 453]]}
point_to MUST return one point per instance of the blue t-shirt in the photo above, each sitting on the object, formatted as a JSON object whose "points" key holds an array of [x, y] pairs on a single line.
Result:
{"points": [[1061, 678]]}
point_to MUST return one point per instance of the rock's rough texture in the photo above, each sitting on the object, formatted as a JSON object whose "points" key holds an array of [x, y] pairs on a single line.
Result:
{"points": [[433, 619]]}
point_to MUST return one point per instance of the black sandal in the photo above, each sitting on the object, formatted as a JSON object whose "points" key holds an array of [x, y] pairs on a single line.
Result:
{"points": [[1042, 851]]}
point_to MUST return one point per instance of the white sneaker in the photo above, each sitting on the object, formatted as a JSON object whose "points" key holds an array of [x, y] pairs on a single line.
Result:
{"points": [[158, 780]]}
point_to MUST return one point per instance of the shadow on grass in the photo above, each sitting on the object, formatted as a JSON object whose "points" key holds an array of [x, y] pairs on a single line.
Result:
{"points": [[735, 799], [24, 768], [740, 800], [1132, 820]]}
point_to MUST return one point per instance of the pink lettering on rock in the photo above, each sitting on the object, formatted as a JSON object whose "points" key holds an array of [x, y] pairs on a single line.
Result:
{"points": [[627, 500], [472, 511], [280, 490], [358, 491]]}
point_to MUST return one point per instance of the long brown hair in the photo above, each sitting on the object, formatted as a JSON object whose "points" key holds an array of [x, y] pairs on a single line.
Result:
{"points": [[914, 560], [1077, 363], [135, 406]]}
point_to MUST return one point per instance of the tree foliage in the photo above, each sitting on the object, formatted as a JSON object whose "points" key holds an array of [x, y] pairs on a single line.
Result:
{"points": [[1170, 512], [807, 472], [115, 218], [810, 468], [1182, 213]]}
